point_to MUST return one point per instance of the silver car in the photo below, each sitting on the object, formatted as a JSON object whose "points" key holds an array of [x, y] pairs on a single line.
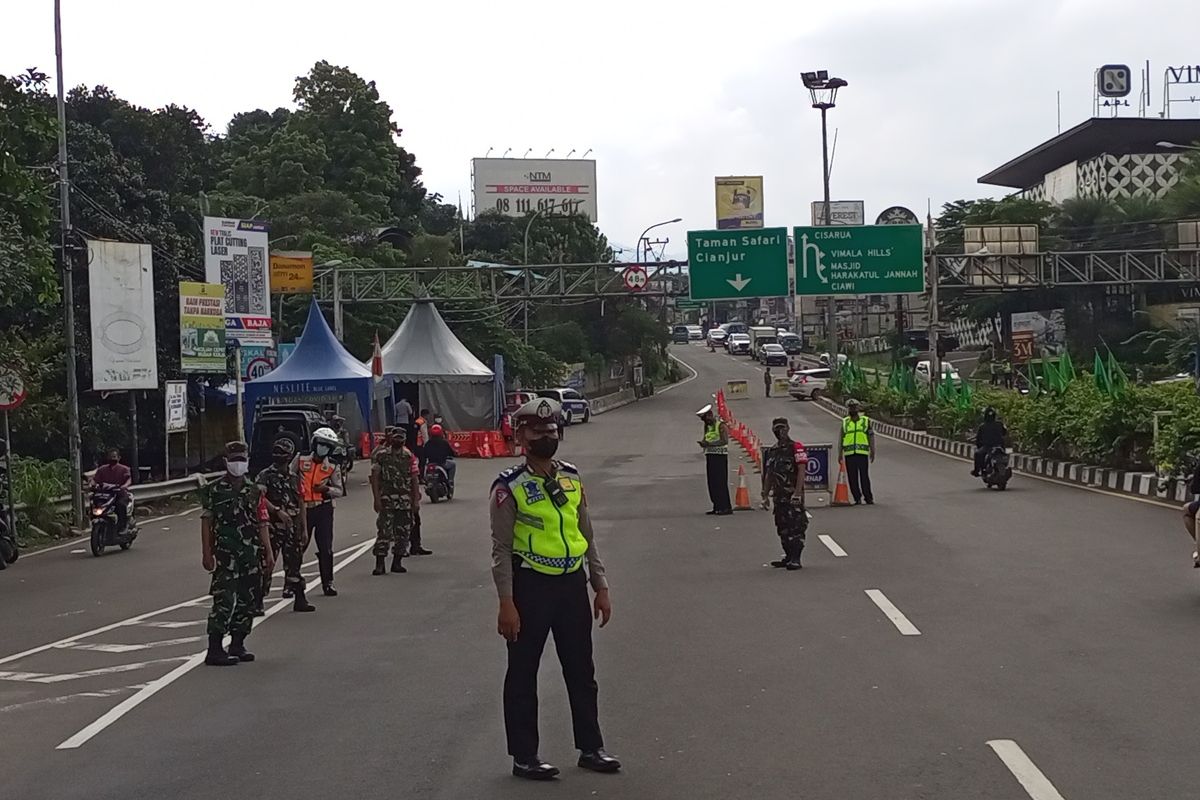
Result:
{"points": [[808, 384]]}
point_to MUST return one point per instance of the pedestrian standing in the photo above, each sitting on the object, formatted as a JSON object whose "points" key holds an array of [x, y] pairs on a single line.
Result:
{"points": [[280, 484], [406, 419], [397, 491], [320, 484], [715, 444], [233, 524], [766, 381], [784, 467], [543, 587], [857, 450]]}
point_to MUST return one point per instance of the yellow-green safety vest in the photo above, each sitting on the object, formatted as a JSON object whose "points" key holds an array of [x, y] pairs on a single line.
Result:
{"points": [[712, 435], [546, 536], [854, 436]]}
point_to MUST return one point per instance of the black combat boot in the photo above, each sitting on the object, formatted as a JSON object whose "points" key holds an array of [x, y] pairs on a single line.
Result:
{"points": [[217, 657], [397, 563], [380, 566], [237, 648], [301, 602]]}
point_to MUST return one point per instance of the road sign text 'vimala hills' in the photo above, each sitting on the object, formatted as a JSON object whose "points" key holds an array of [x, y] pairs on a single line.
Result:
{"points": [[860, 259], [733, 265]]}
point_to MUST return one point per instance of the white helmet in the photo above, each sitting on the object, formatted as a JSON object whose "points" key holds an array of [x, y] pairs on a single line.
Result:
{"points": [[325, 436]]}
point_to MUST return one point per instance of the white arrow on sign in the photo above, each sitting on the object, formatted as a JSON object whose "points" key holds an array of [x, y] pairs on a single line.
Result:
{"points": [[738, 283]]}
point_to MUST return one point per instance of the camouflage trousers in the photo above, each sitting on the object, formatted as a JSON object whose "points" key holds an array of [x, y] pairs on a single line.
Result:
{"points": [[791, 523], [288, 540], [393, 527], [233, 600]]}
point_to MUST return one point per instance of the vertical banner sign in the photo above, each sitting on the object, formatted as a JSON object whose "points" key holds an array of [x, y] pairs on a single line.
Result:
{"points": [[291, 272], [236, 256], [739, 202], [201, 327], [177, 417], [121, 289]]}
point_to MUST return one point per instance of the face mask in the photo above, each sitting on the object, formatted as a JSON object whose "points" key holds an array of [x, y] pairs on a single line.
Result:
{"points": [[781, 434], [543, 448], [322, 450], [237, 468]]}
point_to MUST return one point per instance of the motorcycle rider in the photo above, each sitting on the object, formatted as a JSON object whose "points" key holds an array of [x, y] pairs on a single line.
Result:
{"points": [[438, 451], [991, 433], [114, 473]]}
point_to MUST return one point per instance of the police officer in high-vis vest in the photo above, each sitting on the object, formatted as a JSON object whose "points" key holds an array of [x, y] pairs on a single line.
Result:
{"points": [[715, 444], [320, 483], [542, 540], [857, 448]]}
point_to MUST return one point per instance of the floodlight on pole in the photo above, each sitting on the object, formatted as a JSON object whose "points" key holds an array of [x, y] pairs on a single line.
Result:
{"points": [[1177, 146]]}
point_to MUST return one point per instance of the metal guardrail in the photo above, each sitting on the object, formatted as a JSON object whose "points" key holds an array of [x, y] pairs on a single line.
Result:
{"points": [[149, 491]]}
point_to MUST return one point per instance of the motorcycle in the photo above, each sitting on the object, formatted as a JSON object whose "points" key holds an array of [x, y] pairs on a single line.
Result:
{"points": [[104, 520], [996, 471], [437, 483]]}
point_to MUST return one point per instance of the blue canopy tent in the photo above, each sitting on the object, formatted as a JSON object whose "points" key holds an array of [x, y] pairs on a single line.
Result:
{"points": [[318, 368]]}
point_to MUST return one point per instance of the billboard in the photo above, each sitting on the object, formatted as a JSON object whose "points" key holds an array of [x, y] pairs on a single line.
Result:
{"points": [[291, 272], [519, 186], [121, 288], [201, 327], [236, 256], [739, 202], [1038, 334], [843, 212]]}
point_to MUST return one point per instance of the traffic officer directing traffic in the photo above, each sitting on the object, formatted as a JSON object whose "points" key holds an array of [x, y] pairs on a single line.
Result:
{"points": [[232, 529], [541, 538], [857, 449], [784, 466]]}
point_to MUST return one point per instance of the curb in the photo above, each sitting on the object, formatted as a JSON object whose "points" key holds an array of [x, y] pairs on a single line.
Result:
{"points": [[1141, 484]]}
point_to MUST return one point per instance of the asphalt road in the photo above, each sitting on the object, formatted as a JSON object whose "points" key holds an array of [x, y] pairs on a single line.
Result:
{"points": [[969, 644]]}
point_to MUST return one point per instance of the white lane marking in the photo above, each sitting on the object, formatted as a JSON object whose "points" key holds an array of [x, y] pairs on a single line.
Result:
{"points": [[833, 546], [136, 620], [689, 379], [77, 539], [130, 648], [48, 677], [155, 686], [1036, 784], [65, 698], [891, 612], [172, 625]]}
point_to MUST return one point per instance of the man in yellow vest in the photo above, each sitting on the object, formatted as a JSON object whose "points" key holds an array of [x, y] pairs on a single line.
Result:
{"points": [[857, 449], [542, 539], [320, 483], [715, 444]]}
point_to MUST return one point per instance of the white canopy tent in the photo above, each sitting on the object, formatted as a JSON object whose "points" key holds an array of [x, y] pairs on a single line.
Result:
{"points": [[450, 379]]}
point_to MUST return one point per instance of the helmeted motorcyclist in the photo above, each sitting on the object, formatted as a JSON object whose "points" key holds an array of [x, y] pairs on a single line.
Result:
{"points": [[114, 474], [438, 451], [991, 433]]}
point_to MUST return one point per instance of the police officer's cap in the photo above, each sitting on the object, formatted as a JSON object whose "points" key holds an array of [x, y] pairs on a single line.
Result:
{"points": [[283, 447], [707, 409], [540, 411], [852, 403], [236, 450]]}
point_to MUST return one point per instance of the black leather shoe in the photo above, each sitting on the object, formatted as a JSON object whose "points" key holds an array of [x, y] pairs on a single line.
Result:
{"points": [[328, 590], [420, 551], [782, 562], [726, 513], [712, 513], [598, 761], [871, 501], [534, 769], [792, 566]]}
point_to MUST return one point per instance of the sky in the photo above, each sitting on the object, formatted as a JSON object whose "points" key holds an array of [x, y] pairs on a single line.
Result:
{"points": [[667, 94]]}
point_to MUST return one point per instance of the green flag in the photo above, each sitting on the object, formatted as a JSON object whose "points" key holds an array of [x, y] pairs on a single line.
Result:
{"points": [[1100, 374], [1116, 375], [1066, 367]]}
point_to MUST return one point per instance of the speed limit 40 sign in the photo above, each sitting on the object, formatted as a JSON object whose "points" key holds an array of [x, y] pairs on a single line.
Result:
{"points": [[635, 278]]}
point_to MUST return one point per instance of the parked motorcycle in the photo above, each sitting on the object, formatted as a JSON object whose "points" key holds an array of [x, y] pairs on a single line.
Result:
{"points": [[437, 483], [104, 520], [996, 471]]}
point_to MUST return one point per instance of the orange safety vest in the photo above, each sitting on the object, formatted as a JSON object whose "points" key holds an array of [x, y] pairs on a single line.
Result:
{"points": [[312, 475], [418, 424]]}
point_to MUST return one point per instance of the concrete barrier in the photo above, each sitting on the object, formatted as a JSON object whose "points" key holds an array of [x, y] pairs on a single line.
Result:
{"points": [[608, 402]]}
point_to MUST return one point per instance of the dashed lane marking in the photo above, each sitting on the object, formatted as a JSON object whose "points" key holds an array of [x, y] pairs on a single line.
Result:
{"points": [[833, 546], [891, 612], [1035, 783]]}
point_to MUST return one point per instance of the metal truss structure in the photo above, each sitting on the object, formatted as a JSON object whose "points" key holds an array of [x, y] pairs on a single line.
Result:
{"points": [[989, 273]]}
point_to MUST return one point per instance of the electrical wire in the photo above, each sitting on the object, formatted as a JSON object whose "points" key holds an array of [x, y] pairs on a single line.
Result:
{"points": [[183, 269]]}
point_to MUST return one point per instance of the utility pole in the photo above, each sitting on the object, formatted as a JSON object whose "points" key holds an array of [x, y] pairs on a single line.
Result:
{"points": [[66, 266]]}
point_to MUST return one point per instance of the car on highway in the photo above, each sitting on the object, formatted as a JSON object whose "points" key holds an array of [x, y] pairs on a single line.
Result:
{"points": [[772, 355], [716, 336], [695, 333], [791, 343], [809, 384], [680, 334], [575, 406], [738, 344], [948, 369], [736, 327]]}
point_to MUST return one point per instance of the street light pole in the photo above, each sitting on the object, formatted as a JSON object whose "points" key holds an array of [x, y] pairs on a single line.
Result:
{"points": [[525, 261], [642, 238], [74, 445]]}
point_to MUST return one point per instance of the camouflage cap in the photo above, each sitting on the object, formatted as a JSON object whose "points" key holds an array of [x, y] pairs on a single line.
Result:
{"points": [[283, 447], [236, 450], [396, 431]]}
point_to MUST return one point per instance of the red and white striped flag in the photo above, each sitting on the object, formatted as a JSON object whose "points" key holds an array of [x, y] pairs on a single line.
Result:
{"points": [[377, 359]]}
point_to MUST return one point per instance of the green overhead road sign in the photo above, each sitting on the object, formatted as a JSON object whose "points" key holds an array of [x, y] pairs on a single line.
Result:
{"points": [[689, 305], [734, 265], [860, 259]]}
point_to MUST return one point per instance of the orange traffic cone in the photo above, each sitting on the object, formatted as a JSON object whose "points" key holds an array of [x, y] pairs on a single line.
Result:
{"points": [[841, 492], [741, 500]]}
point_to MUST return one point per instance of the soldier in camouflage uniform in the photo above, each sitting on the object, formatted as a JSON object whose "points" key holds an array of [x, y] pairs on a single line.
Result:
{"points": [[281, 486], [397, 489], [784, 466], [233, 524]]}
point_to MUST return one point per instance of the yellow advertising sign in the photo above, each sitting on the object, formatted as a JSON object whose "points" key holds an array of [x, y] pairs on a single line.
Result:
{"points": [[739, 202], [291, 272]]}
